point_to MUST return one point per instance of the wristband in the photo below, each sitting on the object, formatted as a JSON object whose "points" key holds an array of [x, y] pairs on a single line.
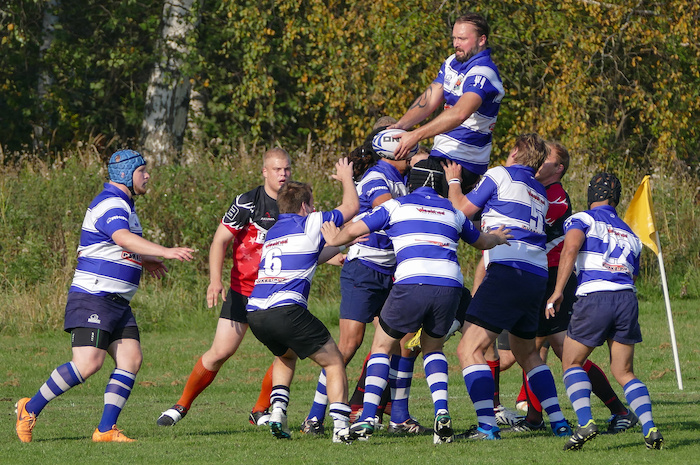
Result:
{"points": [[342, 248], [454, 181]]}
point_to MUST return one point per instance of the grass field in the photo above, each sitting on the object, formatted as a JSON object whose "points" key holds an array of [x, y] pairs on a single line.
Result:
{"points": [[216, 429]]}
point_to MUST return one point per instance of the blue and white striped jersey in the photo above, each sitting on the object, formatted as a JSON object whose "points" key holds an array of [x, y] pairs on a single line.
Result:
{"points": [[425, 229], [511, 196], [377, 252], [469, 144], [104, 267], [609, 257], [289, 260]]}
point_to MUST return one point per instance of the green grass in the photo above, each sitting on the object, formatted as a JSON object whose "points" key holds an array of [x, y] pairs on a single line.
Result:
{"points": [[217, 431]]}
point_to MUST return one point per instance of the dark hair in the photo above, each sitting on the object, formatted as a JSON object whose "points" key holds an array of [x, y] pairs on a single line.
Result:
{"points": [[604, 186], [478, 21], [362, 159], [562, 154], [292, 195], [428, 173]]}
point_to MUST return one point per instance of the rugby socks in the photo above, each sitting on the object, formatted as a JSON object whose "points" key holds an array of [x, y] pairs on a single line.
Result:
{"points": [[435, 366], [119, 387], [578, 388], [495, 366], [542, 384], [400, 377], [602, 388], [263, 402], [318, 408], [532, 401], [377, 379], [637, 396], [357, 396], [279, 398], [198, 381], [62, 379], [480, 387], [340, 413]]}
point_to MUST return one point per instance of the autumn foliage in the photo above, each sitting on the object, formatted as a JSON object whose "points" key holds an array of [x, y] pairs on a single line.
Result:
{"points": [[617, 81]]}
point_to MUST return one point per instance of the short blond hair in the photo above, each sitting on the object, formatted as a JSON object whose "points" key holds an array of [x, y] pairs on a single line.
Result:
{"points": [[532, 150]]}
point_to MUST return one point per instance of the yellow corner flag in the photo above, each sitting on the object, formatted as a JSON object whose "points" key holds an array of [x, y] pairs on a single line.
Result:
{"points": [[640, 215]]}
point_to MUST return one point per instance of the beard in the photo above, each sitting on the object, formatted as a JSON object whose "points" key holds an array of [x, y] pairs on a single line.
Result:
{"points": [[468, 54]]}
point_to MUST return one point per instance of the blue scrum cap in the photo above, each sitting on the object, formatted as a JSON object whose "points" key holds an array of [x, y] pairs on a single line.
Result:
{"points": [[122, 165]]}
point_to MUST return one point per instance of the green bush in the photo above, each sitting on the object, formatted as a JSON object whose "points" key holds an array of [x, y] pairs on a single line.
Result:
{"points": [[42, 208]]}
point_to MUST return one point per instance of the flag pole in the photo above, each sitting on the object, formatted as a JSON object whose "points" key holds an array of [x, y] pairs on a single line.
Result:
{"points": [[669, 315]]}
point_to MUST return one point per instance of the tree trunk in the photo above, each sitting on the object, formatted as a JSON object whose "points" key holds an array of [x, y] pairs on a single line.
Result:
{"points": [[167, 97], [194, 144], [48, 27]]}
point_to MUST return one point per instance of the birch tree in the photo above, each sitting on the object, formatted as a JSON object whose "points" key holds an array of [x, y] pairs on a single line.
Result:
{"points": [[167, 97]]}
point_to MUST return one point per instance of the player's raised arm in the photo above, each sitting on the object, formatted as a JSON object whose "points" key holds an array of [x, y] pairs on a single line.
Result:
{"points": [[350, 204]]}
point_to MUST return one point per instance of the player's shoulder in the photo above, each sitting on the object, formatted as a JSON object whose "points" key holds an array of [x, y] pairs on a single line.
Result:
{"points": [[108, 200], [251, 195]]}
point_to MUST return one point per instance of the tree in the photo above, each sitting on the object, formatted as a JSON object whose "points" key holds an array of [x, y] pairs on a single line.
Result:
{"points": [[167, 96]]}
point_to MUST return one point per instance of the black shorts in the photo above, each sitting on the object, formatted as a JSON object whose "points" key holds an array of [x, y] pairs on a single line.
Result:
{"points": [[289, 327], [95, 337], [233, 307], [560, 321]]}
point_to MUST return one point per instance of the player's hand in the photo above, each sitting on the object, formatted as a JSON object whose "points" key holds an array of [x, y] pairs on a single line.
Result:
{"points": [[407, 140], [553, 304], [396, 125], [179, 253], [330, 231], [343, 170], [503, 234], [213, 292], [452, 170], [363, 238], [155, 267]]}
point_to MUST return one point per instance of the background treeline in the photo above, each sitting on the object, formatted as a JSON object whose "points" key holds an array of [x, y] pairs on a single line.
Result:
{"points": [[616, 80]]}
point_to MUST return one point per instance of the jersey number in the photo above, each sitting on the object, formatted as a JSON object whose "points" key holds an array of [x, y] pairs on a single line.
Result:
{"points": [[536, 216], [273, 263]]}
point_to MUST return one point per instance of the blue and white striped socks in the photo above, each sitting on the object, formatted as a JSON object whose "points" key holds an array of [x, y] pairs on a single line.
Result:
{"points": [[375, 383], [542, 385], [121, 382], [400, 377], [62, 379], [578, 388], [637, 396], [435, 366], [318, 408], [481, 386]]}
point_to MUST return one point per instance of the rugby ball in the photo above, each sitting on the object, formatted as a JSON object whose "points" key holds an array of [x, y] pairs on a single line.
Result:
{"points": [[384, 144]]}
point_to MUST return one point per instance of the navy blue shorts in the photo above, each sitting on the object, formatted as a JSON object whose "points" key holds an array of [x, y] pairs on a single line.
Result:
{"points": [[560, 321], [508, 298], [463, 305], [106, 313], [600, 316], [411, 306], [363, 291], [289, 327], [233, 307]]}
